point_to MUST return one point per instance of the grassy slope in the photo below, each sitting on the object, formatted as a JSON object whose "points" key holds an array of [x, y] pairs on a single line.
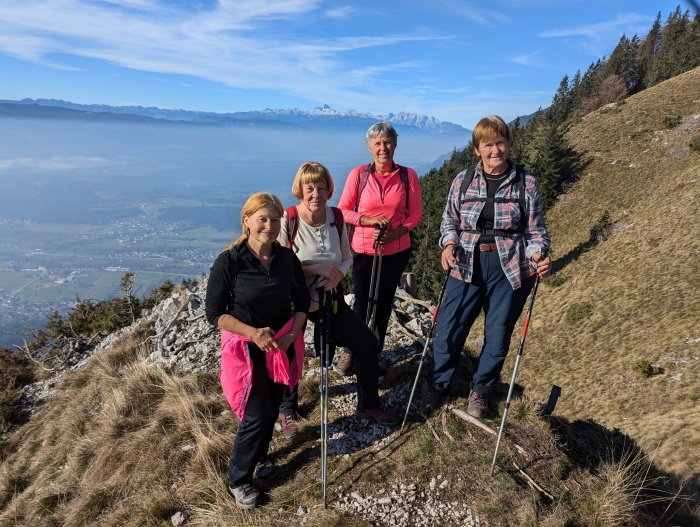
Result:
{"points": [[642, 281], [129, 444]]}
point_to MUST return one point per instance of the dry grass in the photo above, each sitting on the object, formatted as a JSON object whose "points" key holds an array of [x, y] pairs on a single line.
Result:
{"points": [[129, 444]]}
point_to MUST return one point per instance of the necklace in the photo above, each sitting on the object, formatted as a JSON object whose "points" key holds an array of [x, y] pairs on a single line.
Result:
{"points": [[496, 178]]}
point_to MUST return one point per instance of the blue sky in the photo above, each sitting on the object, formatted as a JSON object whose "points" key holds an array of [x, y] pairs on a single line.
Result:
{"points": [[456, 60]]}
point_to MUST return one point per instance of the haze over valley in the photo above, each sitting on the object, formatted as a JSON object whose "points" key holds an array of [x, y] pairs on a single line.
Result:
{"points": [[88, 196]]}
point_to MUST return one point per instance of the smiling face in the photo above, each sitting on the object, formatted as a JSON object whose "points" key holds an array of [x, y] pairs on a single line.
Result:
{"points": [[263, 225], [382, 149], [494, 154]]}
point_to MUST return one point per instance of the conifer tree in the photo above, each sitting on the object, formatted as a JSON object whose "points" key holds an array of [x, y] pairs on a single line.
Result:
{"points": [[648, 54], [669, 60]]}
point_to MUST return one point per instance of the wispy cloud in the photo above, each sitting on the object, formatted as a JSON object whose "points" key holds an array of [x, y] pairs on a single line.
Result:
{"points": [[340, 12], [531, 60], [597, 36], [239, 43]]}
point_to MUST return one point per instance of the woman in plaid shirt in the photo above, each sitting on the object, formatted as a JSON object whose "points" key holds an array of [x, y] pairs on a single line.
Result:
{"points": [[494, 239]]}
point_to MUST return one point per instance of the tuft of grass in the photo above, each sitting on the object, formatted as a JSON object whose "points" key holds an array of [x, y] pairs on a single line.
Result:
{"points": [[625, 488], [671, 121], [695, 143], [577, 312], [555, 280], [646, 369]]}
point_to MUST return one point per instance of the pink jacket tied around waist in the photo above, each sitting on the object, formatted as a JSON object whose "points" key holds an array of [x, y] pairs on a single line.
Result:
{"points": [[236, 374]]}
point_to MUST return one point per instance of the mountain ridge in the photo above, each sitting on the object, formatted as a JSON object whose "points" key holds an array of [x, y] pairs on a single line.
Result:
{"points": [[319, 115]]}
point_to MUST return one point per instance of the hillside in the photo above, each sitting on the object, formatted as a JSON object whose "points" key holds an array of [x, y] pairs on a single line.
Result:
{"points": [[639, 280], [138, 430]]}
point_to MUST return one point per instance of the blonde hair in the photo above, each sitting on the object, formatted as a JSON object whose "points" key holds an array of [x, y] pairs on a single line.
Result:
{"points": [[311, 172], [253, 204], [489, 128]]}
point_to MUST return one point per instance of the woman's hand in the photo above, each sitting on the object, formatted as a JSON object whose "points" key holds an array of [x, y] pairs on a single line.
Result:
{"points": [[391, 235], [264, 338], [329, 275], [285, 341], [381, 221], [543, 267], [448, 257]]}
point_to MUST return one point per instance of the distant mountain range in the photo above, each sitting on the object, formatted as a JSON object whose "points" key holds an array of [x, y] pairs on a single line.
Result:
{"points": [[320, 116]]}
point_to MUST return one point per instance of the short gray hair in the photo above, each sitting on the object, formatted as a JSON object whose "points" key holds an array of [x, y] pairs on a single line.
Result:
{"points": [[379, 129]]}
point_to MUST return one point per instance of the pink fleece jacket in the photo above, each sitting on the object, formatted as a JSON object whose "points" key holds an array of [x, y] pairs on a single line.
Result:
{"points": [[236, 373], [383, 196]]}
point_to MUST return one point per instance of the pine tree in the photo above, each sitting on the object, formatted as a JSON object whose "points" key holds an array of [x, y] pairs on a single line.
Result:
{"points": [[670, 56], [648, 54], [689, 45], [623, 62], [546, 157], [562, 103]]}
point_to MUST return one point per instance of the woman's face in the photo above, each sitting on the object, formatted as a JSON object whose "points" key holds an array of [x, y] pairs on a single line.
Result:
{"points": [[264, 225], [494, 154], [382, 149], [315, 196]]}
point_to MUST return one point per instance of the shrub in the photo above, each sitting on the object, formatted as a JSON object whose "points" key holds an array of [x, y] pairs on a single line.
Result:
{"points": [[671, 121], [578, 312], [646, 369], [602, 227], [695, 143], [555, 280]]}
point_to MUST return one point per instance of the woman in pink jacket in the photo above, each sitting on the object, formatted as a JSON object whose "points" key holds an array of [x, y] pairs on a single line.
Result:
{"points": [[380, 195]]}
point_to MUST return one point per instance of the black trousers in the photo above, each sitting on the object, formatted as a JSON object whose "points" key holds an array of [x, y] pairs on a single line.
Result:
{"points": [[255, 430], [347, 329], [393, 266]]}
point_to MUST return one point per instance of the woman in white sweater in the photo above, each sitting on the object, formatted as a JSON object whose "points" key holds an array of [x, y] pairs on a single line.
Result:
{"points": [[316, 233]]}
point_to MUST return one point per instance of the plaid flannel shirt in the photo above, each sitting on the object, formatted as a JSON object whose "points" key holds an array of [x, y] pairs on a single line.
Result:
{"points": [[514, 254]]}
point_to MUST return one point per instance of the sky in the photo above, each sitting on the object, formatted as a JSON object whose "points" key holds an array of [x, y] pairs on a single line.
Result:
{"points": [[456, 60]]}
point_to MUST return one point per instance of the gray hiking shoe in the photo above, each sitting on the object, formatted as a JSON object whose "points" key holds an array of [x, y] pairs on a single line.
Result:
{"points": [[287, 424], [478, 404], [246, 495], [343, 363], [264, 469]]}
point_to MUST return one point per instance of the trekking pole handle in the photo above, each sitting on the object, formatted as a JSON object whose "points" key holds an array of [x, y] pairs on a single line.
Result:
{"points": [[382, 232]]}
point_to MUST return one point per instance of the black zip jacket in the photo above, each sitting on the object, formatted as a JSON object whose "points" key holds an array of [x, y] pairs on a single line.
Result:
{"points": [[255, 296]]}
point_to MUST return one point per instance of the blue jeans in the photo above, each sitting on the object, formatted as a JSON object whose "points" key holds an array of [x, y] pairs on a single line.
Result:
{"points": [[491, 291]]}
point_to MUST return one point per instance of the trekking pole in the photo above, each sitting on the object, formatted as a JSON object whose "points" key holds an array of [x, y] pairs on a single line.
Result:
{"points": [[324, 308], [374, 280], [515, 368], [427, 341]]}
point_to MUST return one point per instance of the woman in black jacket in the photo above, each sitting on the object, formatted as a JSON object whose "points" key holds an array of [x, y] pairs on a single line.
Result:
{"points": [[257, 295]]}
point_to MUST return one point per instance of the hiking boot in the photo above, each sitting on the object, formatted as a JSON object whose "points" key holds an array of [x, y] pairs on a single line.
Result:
{"points": [[288, 425], [386, 417], [343, 364], [478, 404], [263, 469], [431, 399], [246, 495]]}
